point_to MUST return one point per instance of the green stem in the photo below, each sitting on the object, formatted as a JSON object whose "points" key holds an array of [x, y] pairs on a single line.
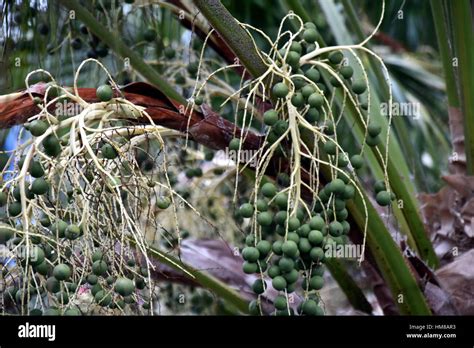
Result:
{"points": [[462, 27], [445, 52], [350, 288], [122, 49], [232, 33]]}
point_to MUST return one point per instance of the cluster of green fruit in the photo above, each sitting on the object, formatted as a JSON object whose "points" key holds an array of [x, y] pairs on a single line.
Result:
{"points": [[12, 196], [60, 283], [300, 251], [308, 99]]}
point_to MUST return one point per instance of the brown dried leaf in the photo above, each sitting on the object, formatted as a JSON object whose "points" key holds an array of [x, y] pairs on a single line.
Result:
{"points": [[457, 279]]}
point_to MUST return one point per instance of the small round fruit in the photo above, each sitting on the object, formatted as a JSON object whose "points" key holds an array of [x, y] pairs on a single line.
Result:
{"points": [[72, 232], [316, 254], [372, 141], [3, 199], [304, 245], [268, 190], [250, 267], [379, 186], [250, 254], [286, 264], [280, 127], [52, 285], [259, 286], [60, 228], [304, 230], [315, 100], [349, 192], [280, 90], [124, 286], [298, 82], [357, 161], [313, 74], [293, 59], [62, 297], [99, 268], [234, 144], [274, 271], [294, 237], [6, 233], [264, 247], [291, 277], [342, 160], [307, 90], [270, 117], [253, 308], [38, 127], [14, 209], [374, 129], [264, 218], [335, 229], [281, 200], [97, 255], [163, 202], [310, 35], [337, 186], [246, 210], [280, 302], [336, 57], [290, 248], [72, 312], [52, 146], [312, 115], [39, 186], [92, 279], [280, 217], [42, 268], [317, 223], [346, 71], [310, 307], [383, 198], [293, 224], [36, 169], [169, 52], [276, 247], [51, 311], [62, 272], [315, 237], [279, 283], [330, 147], [108, 151], [103, 298], [149, 34], [104, 93], [297, 100], [316, 283], [193, 68], [359, 86], [37, 256]]}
